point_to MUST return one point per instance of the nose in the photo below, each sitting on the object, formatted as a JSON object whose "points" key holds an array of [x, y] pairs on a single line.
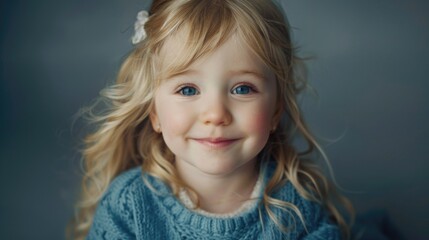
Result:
{"points": [[216, 112]]}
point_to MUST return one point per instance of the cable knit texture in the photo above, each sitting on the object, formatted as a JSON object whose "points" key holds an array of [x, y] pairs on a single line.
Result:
{"points": [[134, 208]]}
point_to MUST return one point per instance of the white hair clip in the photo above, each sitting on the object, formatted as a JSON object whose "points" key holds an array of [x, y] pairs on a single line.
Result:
{"points": [[139, 32]]}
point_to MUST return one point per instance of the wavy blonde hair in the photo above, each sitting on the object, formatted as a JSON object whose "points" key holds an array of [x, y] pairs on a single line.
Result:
{"points": [[125, 138]]}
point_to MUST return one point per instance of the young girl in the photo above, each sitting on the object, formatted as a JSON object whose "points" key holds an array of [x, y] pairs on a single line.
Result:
{"points": [[198, 140]]}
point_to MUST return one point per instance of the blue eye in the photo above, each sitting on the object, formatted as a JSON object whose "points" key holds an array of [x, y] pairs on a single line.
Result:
{"points": [[188, 91], [242, 89]]}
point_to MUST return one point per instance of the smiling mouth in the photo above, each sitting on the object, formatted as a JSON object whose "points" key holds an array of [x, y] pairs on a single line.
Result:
{"points": [[216, 143]]}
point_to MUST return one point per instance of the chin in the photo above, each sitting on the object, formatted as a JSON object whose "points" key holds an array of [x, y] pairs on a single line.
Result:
{"points": [[220, 168], [217, 171]]}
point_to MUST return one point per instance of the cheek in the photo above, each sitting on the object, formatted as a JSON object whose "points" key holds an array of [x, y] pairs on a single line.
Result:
{"points": [[173, 119], [257, 122], [260, 115], [174, 127], [172, 124], [260, 123]]}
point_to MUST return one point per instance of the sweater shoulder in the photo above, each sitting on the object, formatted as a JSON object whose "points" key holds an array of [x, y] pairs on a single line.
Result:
{"points": [[123, 189], [115, 213], [123, 185], [315, 222], [124, 182], [289, 193]]}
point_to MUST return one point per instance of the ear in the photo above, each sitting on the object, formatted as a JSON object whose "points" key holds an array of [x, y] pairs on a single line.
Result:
{"points": [[154, 120]]}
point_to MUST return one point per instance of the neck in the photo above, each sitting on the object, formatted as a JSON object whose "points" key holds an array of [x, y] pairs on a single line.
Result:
{"points": [[220, 193]]}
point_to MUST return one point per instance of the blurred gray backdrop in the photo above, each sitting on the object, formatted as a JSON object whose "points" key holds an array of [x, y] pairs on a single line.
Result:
{"points": [[369, 66]]}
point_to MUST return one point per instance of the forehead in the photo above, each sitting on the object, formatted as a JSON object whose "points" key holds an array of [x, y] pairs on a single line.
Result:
{"points": [[180, 54]]}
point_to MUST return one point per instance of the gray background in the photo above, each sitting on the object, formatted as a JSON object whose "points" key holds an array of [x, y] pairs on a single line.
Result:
{"points": [[369, 67]]}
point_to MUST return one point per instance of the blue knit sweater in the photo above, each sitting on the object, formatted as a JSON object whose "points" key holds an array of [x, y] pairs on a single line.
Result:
{"points": [[130, 209]]}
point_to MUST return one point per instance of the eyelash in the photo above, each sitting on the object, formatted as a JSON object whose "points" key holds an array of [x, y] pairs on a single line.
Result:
{"points": [[252, 88], [181, 88]]}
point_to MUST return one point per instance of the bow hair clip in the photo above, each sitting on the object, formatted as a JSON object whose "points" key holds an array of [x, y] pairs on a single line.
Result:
{"points": [[139, 32]]}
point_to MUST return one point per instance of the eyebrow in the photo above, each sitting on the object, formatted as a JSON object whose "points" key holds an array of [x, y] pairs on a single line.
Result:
{"points": [[258, 75], [233, 73], [185, 72]]}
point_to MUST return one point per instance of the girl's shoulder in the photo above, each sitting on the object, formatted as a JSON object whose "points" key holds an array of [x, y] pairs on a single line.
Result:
{"points": [[124, 182], [114, 218], [121, 191], [308, 214], [310, 210], [288, 192], [134, 185]]}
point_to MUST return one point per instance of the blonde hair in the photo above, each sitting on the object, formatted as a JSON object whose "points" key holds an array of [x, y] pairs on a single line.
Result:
{"points": [[125, 138]]}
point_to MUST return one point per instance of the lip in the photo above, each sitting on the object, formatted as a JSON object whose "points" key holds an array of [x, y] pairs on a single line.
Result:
{"points": [[216, 143]]}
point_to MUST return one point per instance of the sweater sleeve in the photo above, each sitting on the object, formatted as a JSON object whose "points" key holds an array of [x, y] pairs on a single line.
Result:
{"points": [[114, 216]]}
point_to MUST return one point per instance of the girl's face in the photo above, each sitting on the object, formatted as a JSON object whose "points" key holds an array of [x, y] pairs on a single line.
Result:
{"points": [[217, 115]]}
